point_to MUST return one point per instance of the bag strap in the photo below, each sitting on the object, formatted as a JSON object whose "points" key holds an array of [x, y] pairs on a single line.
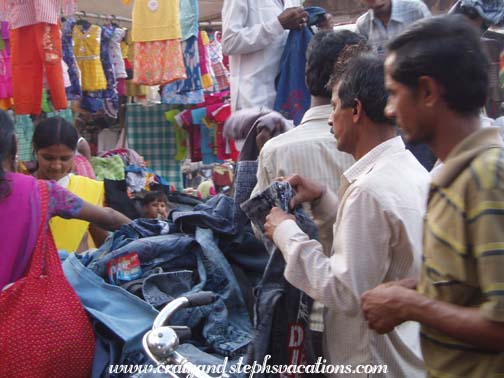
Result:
{"points": [[45, 256]]}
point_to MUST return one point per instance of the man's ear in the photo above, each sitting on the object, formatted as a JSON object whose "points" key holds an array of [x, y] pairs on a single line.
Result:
{"points": [[357, 110], [429, 91]]}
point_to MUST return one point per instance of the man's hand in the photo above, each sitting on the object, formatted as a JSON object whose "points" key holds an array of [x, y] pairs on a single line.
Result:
{"points": [[306, 190], [385, 306], [293, 18], [273, 219]]}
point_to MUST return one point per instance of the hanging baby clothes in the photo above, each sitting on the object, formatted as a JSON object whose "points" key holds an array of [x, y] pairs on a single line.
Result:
{"points": [[87, 42], [220, 71], [35, 46], [6, 90], [116, 55], [190, 90], [74, 92], [206, 70], [180, 135], [110, 94], [156, 35]]}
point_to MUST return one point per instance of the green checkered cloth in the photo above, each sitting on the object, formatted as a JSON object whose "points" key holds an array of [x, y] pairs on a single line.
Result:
{"points": [[110, 168], [24, 132], [66, 114], [153, 137]]}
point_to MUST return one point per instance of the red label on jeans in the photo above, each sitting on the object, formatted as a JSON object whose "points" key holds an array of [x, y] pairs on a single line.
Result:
{"points": [[124, 268]]}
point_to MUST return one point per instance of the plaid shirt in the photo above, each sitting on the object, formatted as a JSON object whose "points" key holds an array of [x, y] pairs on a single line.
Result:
{"points": [[151, 135], [24, 133], [404, 13]]}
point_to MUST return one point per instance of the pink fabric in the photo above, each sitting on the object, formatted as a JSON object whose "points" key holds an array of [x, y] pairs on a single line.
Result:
{"points": [[203, 55], [21, 13], [19, 222], [121, 87], [6, 89], [82, 167]]}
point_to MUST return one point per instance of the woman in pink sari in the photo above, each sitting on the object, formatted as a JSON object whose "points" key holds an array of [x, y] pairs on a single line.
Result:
{"points": [[20, 209]]}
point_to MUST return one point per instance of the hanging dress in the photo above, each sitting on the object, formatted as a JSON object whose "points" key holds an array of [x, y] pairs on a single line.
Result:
{"points": [[87, 42]]}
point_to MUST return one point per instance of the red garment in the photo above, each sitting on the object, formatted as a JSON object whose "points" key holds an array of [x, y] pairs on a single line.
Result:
{"points": [[33, 49], [42, 318]]}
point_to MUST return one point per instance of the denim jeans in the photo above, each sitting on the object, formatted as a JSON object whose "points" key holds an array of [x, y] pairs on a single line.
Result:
{"points": [[120, 318], [282, 311], [245, 181], [216, 214]]}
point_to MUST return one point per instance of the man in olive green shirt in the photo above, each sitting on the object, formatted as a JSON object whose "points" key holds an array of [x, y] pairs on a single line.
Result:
{"points": [[436, 74]]}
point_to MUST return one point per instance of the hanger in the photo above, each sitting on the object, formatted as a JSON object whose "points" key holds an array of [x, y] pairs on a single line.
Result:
{"points": [[114, 21], [83, 22]]}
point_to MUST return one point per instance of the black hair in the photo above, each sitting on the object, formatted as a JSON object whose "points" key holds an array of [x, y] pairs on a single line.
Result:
{"points": [[448, 49], [321, 55], [55, 130], [152, 196], [8, 149], [364, 80]]}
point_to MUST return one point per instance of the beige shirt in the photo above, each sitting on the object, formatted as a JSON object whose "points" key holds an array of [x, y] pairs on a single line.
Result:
{"points": [[309, 150], [377, 238]]}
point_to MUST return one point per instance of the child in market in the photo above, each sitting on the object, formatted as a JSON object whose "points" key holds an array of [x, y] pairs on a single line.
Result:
{"points": [[154, 205]]}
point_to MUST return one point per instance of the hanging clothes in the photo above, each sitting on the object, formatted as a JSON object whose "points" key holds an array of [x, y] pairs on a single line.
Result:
{"points": [[150, 134], [188, 91], [24, 133], [156, 35], [87, 43], [74, 91], [158, 63], [220, 71], [189, 16], [206, 70], [110, 95], [6, 90], [155, 20], [35, 49], [116, 55], [293, 98], [21, 13]]}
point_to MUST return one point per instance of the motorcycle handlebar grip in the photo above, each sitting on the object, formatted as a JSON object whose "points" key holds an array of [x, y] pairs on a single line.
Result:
{"points": [[202, 298]]}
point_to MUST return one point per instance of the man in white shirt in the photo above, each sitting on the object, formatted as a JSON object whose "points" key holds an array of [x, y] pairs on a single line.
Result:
{"points": [[377, 231], [254, 35], [310, 149]]}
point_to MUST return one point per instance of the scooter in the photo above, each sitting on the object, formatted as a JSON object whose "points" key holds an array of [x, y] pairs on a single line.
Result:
{"points": [[161, 342]]}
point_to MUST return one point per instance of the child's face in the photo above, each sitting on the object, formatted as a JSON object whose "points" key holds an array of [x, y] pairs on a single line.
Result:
{"points": [[156, 210]]}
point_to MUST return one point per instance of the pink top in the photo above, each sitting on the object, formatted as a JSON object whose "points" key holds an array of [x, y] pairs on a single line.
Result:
{"points": [[21, 13], [20, 221]]}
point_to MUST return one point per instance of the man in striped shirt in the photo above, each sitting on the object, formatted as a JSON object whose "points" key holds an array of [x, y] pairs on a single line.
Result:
{"points": [[436, 74]]}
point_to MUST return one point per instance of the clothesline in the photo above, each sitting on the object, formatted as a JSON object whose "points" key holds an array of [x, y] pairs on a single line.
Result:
{"points": [[119, 18], [102, 16]]}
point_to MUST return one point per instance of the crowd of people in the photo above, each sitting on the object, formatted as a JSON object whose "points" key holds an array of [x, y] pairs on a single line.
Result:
{"points": [[409, 270]]}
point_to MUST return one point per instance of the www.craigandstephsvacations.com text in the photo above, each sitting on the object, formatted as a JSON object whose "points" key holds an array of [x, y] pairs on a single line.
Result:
{"points": [[227, 369]]}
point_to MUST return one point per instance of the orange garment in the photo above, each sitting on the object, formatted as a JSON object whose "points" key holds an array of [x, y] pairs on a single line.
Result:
{"points": [[158, 62], [36, 48]]}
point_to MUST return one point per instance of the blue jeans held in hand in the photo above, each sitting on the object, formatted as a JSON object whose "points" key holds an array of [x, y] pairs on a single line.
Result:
{"points": [[282, 312]]}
